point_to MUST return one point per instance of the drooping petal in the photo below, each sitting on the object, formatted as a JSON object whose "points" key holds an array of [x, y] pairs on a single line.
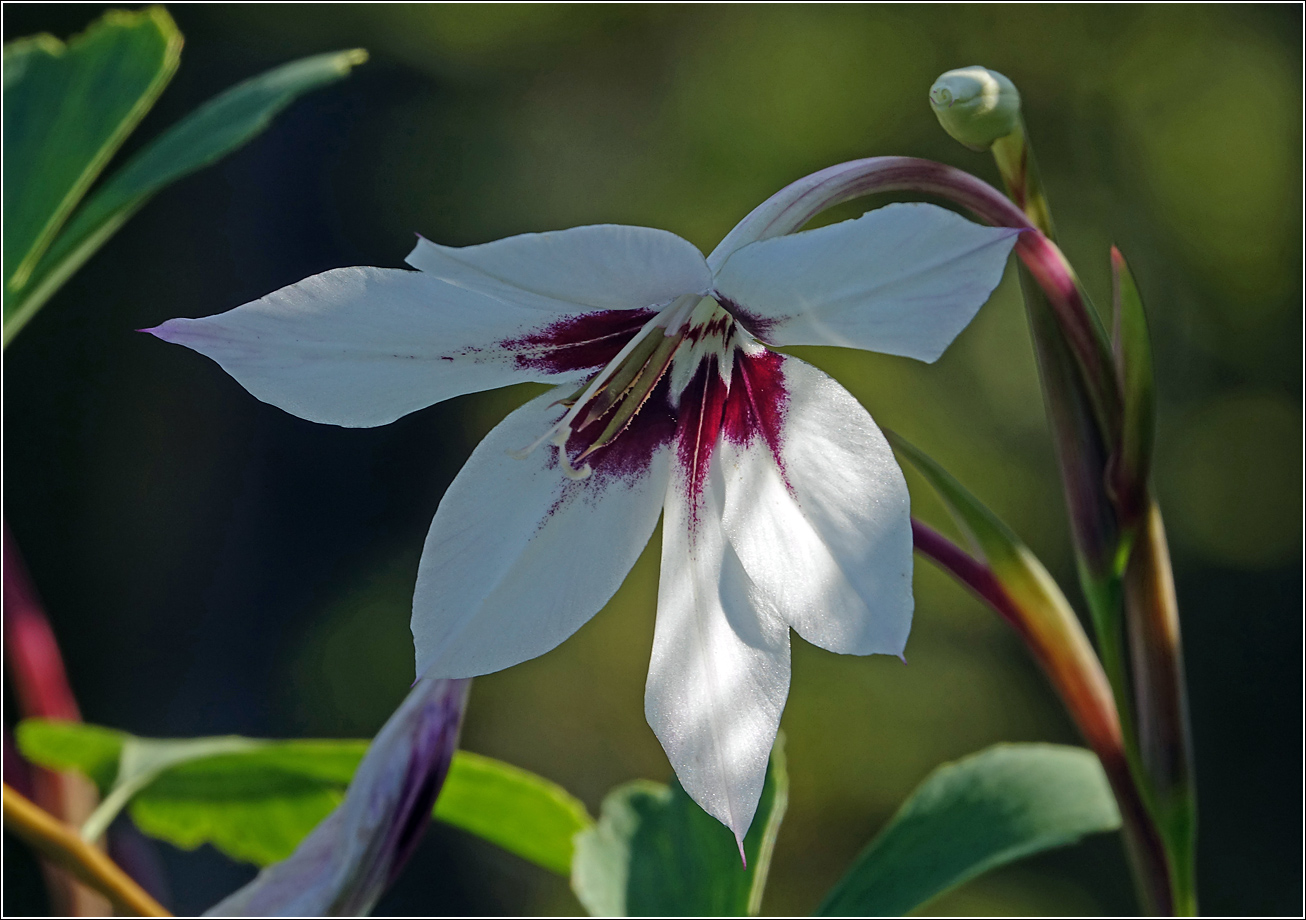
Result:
{"points": [[604, 267], [719, 674], [903, 279], [363, 346], [520, 556], [816, 506], [344, 866]]}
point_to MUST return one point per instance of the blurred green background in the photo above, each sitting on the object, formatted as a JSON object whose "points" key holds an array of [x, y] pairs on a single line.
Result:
{"points": [[212, 564]]}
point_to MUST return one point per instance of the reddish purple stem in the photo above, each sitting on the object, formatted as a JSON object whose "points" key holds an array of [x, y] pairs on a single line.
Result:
{"points": [[972, 573]]}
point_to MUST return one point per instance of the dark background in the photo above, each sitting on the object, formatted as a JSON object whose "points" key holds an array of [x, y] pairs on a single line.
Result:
{"points": [[213, 565]]}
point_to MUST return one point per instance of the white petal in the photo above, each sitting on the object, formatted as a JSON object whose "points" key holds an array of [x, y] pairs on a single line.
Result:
{"points": [[719, 674], [903, 279], [519, 556], [363, 346], [605, 267], [819, 514]]}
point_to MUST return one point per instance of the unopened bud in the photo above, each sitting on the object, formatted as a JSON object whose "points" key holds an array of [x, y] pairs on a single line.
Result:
{"points": [[977, 106]]}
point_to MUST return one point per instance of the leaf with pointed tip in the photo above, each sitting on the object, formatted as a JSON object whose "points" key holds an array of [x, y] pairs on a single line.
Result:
{"points": [[216, 128], [654, 852], [256, 800], [67, 109], [1004, 803], [1133, 353]]}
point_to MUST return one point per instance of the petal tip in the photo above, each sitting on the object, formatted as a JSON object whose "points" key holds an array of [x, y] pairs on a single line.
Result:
{"points": [[743, 857]]}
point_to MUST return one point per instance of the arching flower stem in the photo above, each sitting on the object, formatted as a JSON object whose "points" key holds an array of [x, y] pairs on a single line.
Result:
{"points": [[796, 204]]}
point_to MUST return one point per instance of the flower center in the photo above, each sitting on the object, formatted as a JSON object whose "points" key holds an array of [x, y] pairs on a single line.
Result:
{"points": [[688, 330]]}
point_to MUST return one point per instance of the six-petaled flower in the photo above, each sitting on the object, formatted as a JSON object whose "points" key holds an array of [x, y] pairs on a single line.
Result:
{"points": [[784, 507]]}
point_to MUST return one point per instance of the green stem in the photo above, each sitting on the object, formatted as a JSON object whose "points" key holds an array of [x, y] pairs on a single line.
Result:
{"points": [[1087, 435], [59, 842]]}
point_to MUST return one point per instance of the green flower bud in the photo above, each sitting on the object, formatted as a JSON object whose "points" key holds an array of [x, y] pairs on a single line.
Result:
{"points": [[977, 106]]}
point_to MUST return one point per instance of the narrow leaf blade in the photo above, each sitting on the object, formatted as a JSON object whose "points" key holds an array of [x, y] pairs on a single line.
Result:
{"points": [[1133, 352], [1012, 563], [216, 128], [67, 108], [654, 852], [968, 817]]}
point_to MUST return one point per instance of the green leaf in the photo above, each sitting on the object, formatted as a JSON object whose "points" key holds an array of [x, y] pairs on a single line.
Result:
{"points": [[521, 812], [1133, 352], [256, 800], [142, 761], [255, 806], [988, 809], [87, 749], [67, 108], [654, 852], [209, 133]]}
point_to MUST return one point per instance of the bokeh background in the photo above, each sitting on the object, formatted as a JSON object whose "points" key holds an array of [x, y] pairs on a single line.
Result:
{"points": [[212, 564]]}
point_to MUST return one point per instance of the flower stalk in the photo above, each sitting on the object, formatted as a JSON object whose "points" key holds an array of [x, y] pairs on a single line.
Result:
{"points": [[62, 845], [1103, 428]]}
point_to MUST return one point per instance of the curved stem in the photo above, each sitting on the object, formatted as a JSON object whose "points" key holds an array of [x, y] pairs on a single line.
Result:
{"points": [[1063, 652], [794, 205], [61, 843]]}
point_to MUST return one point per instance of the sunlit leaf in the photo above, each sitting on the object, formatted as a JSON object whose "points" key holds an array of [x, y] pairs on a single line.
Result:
{"points": [[256, 800], [255, 806], [988, 809], [654, 852], [209, 133], [87, 749], [67, 108], [521, 812]]}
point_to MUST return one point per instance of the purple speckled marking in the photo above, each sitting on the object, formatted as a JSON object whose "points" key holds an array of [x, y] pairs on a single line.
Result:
{"points": [[625, 458], [576, 343]]}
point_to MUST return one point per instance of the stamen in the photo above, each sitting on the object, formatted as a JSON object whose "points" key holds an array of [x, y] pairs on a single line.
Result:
{"points": [[616, 382], [568, 468]]}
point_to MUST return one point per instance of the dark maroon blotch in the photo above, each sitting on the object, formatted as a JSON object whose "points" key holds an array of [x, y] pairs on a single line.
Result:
{"points": [[759, 326], [757, 402], [627, 456], [576, 343], [702, 406]]}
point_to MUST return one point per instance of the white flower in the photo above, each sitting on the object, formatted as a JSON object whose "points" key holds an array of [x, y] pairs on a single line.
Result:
{"points": [[783, 504]]}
